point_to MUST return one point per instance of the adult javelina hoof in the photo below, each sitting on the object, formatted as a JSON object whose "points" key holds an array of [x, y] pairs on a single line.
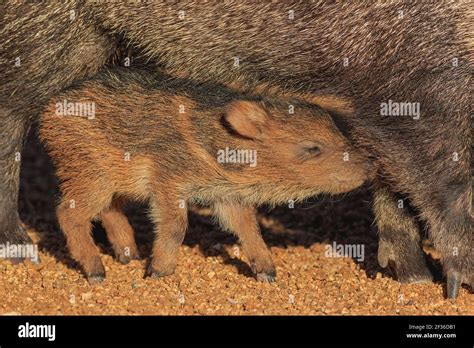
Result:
{"points": [[459, 269], [453, 284], [407, 262], [17, 237], [455, 279]]}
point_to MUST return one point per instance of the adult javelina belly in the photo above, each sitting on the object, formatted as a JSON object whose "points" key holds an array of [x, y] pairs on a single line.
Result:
{"points": [[361, 62]]}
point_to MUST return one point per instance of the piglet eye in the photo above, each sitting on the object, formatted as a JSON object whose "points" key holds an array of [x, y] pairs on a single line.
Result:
{"points": [[313, 150], [309, 150]]}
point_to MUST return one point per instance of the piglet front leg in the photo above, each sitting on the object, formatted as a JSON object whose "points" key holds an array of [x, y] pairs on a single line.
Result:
{"points": [[242, 221], [170, 215]]}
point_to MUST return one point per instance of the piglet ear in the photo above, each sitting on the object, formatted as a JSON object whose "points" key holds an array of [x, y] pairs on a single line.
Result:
{"points": [[247, 118]]}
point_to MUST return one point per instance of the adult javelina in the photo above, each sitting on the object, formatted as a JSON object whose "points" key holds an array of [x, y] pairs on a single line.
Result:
{"points": [[174, 142], [353, 57], [43, 48]]}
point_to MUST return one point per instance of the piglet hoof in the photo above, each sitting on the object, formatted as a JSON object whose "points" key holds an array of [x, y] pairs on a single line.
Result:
{"points": [[96, 273], [126, 254], [453, 284], [124, 259], [266, 277], [94, 279], [156, 274], [263, 274]]}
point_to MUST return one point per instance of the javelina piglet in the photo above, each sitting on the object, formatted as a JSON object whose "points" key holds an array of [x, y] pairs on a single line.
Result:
{"points": [[127, 135]]}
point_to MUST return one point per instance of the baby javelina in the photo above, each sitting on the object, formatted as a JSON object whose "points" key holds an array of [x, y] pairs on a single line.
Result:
{"points": [[128, 135]]}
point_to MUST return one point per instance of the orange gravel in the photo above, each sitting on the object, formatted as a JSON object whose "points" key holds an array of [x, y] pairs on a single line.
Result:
{"points": [[212, 276]]}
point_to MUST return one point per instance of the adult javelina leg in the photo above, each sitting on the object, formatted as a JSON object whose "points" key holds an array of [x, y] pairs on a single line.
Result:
{"points": [[436, 177], [44, 48], [400, 242], [365, 54], [13, 133]]}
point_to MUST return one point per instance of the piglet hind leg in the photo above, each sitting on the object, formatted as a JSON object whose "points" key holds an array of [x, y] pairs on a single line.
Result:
{"points": [[399, 238], [119, 232], [242, 221], [170, 215]]}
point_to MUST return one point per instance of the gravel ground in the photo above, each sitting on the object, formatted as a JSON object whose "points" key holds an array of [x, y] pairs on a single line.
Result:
{"points": [[212, 276]]}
